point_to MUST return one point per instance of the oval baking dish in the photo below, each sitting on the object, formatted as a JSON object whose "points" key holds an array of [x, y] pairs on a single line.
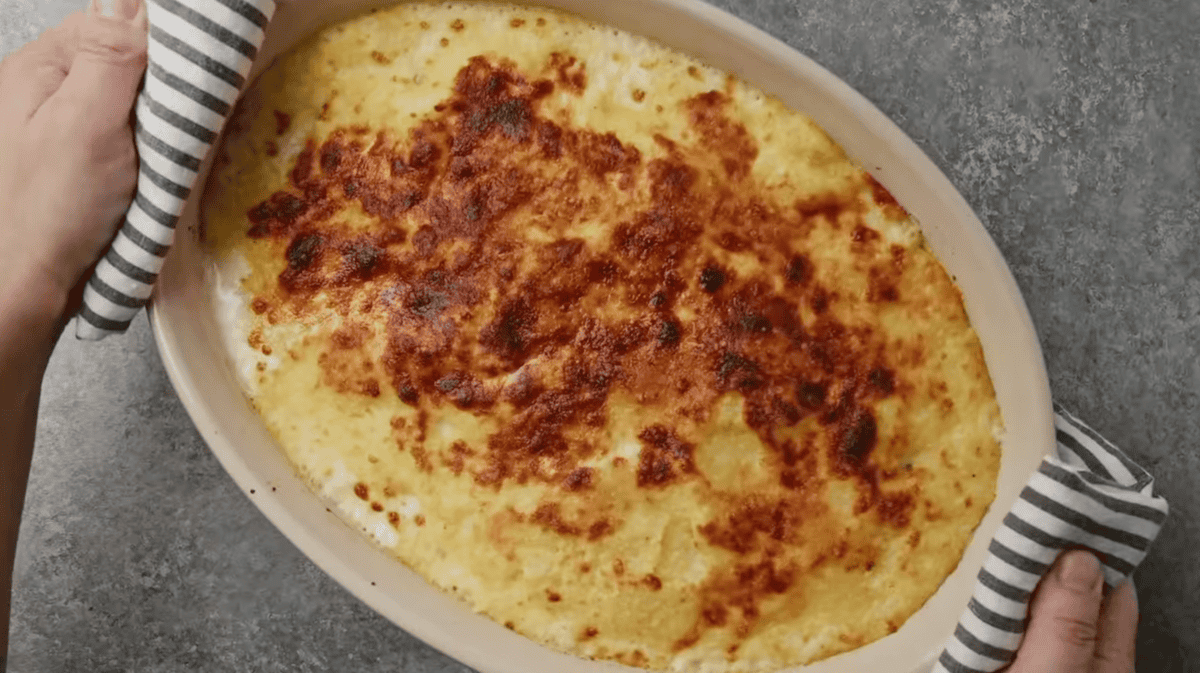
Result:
{"points": [[190, 342]]}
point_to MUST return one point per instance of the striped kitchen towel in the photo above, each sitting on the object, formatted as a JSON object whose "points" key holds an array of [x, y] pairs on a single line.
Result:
{"points": [[200, 53], [1090, 495]]}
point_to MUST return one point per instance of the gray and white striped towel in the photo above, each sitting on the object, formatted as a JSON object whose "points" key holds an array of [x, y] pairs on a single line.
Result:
{"points": [[1089, 495], [200, 52]]}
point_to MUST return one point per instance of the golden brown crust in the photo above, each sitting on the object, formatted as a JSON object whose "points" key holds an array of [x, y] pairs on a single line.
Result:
{"points": [[615, 328]]}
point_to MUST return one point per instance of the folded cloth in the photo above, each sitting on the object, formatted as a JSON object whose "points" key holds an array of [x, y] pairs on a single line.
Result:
{"points": [[1089, 495], [200, 52]]}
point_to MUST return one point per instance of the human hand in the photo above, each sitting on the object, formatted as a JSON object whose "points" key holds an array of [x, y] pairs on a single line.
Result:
{"points": [[1074, 627], [68, 166]]}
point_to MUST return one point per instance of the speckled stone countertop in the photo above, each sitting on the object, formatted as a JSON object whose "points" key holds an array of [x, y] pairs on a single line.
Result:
{"points": [[1071, 126]]}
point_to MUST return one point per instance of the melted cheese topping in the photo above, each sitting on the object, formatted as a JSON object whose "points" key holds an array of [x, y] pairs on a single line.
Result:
{"points": [[607, 342]]}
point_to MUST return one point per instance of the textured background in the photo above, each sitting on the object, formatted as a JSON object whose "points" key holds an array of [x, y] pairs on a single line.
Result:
{"points": [[1071, 127]]}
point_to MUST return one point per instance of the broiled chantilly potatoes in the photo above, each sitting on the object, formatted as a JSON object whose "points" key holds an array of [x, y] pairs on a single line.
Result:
{"points": [[610, 344]]}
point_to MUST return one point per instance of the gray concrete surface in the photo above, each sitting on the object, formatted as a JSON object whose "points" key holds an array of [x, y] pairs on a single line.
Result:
{"points": [[1071, 126]]}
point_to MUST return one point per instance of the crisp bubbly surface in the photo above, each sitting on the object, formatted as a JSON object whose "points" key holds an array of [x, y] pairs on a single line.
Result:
{"points": [[621, 351]]}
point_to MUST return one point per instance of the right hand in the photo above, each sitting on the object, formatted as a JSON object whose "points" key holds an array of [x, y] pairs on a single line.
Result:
{"points": [[1074, 627]]}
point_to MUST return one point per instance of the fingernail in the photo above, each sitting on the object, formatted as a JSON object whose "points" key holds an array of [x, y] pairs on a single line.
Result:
{"points": [[1132, 588], [126, 10], [1080, 571]]}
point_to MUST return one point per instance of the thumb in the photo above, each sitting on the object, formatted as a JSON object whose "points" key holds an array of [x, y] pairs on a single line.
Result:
{"points": [[111, 59], [1064, 618]]}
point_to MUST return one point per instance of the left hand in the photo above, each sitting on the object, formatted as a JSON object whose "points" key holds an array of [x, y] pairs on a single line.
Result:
{"points": [[1074, 627], [68, 166]]}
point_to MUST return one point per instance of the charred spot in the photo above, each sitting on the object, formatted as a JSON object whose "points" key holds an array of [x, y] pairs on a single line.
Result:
{"points": [[658, 300], [799, 270], [590, 632], [715, 614], [670, 180], [669, 332], [881, 285], [785, 412], [464, 390], [331, 157], [754, 323], [712, 278], [896, 509], [427, 301], [882, 380], [855, 438], [523, 389], [570, 72], [811, 395], [510, 334], [407, 392], [658, 233], [737, 372], [602, 271], [604, 154], [653, 582], [423, 155], [361, 258], [819, 300], [579, 479], [277, 213], [549, 516], [752, 523], [664, 457], [361, 490], [829, 206], [726, 137], [881, 195], [457, 25], [550, 140], [732, 242], [599, 529], [513, 117], [304, 250], [864, 234], [283, 122], [461, 168], [301, 173]]}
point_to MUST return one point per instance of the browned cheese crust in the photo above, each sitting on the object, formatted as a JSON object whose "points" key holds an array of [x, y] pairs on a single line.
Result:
{"points": [[657, 404]]}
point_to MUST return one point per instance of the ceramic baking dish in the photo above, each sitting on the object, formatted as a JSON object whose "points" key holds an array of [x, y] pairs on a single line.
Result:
{"points": [[187, 335]]}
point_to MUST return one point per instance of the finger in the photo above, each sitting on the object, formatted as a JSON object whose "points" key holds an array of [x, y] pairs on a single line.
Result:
{"points": [[1117, 639], [31, 75], [108, 66], [1063, 618]]}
